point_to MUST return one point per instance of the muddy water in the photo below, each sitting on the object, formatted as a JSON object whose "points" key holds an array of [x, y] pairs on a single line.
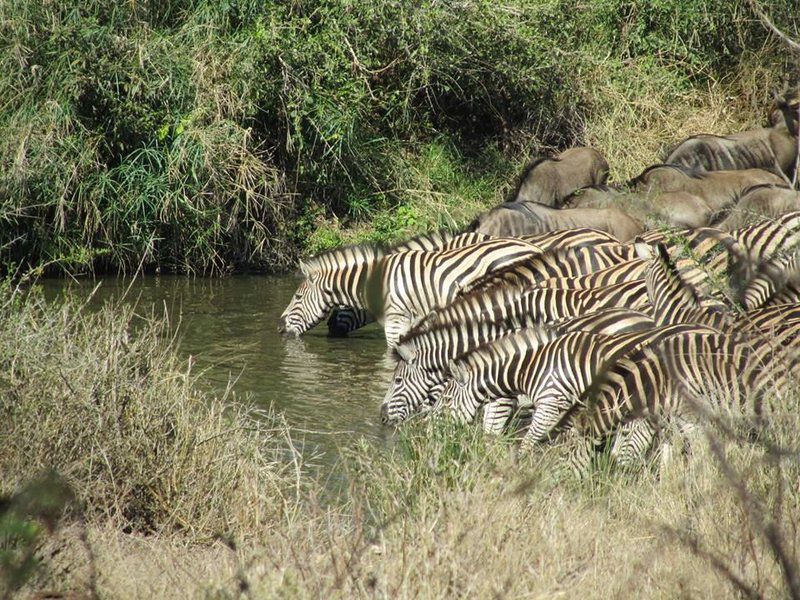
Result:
{"points": [[329, 390]]}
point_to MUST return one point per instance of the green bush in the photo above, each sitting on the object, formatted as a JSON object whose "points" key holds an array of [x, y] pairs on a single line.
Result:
{"points": [[199, 135]]}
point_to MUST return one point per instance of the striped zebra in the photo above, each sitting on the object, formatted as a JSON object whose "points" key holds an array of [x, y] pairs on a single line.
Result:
{"points": [[675, 300], [774, 281], [552, 375], [337, 279], [683, 378], [483, 317], [557, 264], [580, 237], [346, 319], [406, 286]]}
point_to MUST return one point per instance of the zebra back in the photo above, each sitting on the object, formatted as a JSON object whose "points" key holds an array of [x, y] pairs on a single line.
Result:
{"points": [[440, 240], [552, 374], [567, 263], [767, 238], [581, 237], [631, 270], [406, 286]]}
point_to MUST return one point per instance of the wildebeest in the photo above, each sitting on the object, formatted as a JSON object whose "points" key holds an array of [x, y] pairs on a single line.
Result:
{"points": [[718, 189], [677, 209], [771, 148], [514, 219], [548, 180], [760, 201]]}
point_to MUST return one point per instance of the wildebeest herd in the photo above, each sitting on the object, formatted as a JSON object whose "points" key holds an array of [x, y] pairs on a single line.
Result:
{"points": [[599, 313]]}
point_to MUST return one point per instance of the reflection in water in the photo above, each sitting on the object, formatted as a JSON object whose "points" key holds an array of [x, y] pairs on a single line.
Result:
{"points": [[329, 388]]}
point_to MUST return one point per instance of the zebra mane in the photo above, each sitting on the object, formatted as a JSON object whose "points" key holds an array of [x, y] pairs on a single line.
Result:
{"points": [[343, 255], [527, 338], [432, 239], [551, 256], [524, 175], [451, 316]]}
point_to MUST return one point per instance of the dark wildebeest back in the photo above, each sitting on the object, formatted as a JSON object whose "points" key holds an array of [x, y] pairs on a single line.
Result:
{"points": [[674, 209], [515, 219], [759, 202], [771, 148], [549, 180], [718, 189]]}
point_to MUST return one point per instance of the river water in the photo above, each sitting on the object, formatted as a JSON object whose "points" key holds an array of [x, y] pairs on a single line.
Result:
{"points": [[329, 390]]}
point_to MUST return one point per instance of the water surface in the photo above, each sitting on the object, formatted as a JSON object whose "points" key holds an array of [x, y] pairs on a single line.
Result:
{"points": [[328, 389]]}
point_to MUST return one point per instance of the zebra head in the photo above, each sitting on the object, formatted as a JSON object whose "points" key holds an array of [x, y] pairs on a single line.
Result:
{"points": [[458, 397], [413, 389], [312, 301], [335, 278]]}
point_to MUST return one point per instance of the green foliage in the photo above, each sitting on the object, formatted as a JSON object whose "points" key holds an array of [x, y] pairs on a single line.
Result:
{"points": [[199, 135]]}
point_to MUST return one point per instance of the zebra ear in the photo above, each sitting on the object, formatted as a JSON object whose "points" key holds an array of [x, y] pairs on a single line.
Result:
{"points": [[458, 372], [407, 353], [304, 268]]}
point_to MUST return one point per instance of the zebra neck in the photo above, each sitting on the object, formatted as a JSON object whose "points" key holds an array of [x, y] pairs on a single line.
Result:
{"points": [[353, 287]]}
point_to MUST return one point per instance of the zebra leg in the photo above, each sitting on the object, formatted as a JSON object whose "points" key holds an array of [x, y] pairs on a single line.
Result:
{"points": [[547, 415], [496, 415]]}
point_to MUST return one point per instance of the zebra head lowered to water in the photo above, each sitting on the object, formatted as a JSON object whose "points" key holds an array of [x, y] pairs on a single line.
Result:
{"points": [[333, 279], [338, 279]]}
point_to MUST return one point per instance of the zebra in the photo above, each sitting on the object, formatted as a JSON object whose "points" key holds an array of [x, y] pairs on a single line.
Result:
{"points": [[738, 360], [484, 316], [552, 375], [557, 264], [337, 279], [346, 319], [704, 370], [406, 286], [675, 300], [579, 237]]}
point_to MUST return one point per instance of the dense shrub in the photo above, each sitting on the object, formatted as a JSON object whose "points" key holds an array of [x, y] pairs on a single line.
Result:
{"points": [[103, 398], [205, 135]]}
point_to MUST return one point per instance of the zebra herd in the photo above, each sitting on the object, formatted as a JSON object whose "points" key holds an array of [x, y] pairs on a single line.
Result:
{"points": [[589, 329]]}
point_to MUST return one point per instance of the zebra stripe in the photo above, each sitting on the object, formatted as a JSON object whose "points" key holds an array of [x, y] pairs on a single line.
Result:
{"points": [[553, 375], [556, 264], [707, 369], [344, 320], [413, 283], [337, 279], [479, 318], [579, 237], [334, 279]]}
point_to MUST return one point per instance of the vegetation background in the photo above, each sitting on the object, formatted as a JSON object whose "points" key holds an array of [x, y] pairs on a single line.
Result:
{"points": [[210, 135]]}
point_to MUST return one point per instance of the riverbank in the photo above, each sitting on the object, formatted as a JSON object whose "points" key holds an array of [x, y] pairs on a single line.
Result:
{"points": [[168, 491], [207, 138]]}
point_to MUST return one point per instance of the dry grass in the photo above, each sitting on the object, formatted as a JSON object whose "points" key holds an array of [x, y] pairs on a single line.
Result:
{"points": [[183, 495], [102, 398], [486, 527], [641, 112]]}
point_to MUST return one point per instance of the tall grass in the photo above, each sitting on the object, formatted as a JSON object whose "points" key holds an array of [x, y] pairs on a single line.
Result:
{"points": [[205, 136], [169, 492], [102, 398]]}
